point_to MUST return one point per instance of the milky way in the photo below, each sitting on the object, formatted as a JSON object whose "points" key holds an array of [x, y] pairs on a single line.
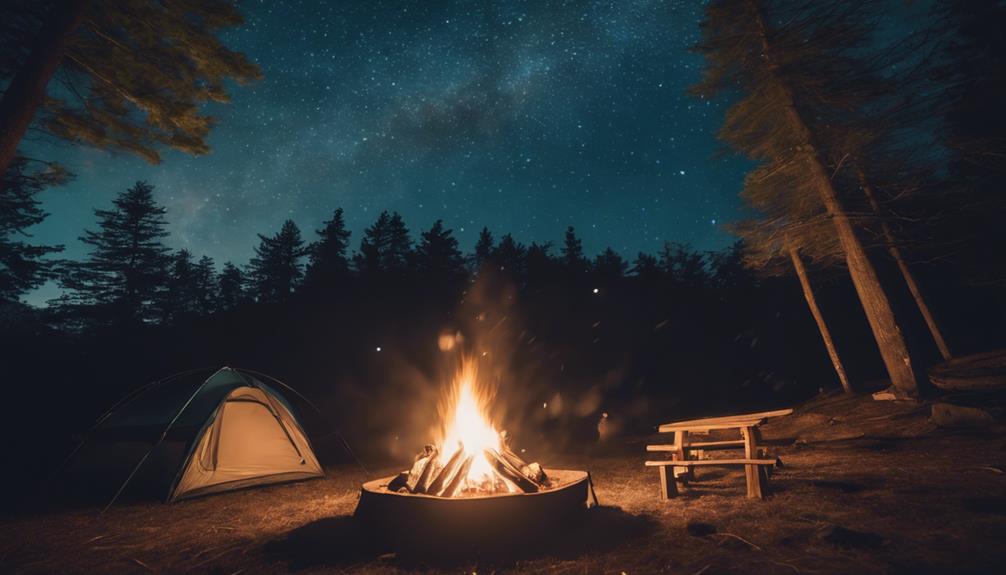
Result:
{"points": [[523, 117]]}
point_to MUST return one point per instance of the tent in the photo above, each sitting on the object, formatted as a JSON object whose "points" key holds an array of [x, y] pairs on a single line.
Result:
{"points": [[191, 435]]}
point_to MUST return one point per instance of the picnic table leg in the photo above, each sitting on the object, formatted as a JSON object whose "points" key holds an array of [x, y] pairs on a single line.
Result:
{"points": [[667, 487], [765, 470], [752, 473], [689, 472], [764, 454], [681, 440]]}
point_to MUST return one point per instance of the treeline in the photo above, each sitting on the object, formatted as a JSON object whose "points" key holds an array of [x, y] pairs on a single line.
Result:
{"points": [[131, 277]]}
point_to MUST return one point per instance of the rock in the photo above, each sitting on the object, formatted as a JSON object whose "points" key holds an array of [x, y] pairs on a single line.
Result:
{"points": [[949, 415], [886, 395]]}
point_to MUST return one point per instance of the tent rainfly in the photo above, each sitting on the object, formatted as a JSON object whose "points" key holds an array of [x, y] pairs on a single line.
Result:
{"points": [[191, 435]]}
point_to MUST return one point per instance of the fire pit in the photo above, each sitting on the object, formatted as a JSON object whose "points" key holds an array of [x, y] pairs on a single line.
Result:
{"points": [[470, 488], [479, 521]]}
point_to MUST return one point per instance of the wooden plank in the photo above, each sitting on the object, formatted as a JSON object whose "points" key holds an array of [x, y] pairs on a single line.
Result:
{"points": [[731, 418], [709, 462], [700, 427], [752, 475], [708, 445], [668, 487]]}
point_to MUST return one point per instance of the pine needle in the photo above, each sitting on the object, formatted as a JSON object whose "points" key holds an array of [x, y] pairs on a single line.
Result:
{"points": [[741, 539]]}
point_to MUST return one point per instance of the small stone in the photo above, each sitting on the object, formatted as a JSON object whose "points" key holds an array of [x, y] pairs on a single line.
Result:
{"points": [[886, 395]]}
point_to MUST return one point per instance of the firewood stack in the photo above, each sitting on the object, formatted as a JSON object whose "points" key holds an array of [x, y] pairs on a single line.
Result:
{"points": [[428, 476]]}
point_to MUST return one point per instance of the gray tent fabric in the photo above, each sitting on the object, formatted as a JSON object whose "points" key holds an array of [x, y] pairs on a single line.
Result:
{"points": [[192, 435]]}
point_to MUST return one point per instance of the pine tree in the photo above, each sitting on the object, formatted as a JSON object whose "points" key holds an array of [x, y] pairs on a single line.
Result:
{"points": [[206, 286], [609, 266], [794, 67], [683, 266], [179, 300], [483, 249], [276, 270], [398, 257], [572, 252], [328, 264], [123, 277], [385, 247], [540, 264], [646, 268], [133, 73], [438, 256], [510, 255], [727, 267], [22, 265], [230, 287], [770, 249]]}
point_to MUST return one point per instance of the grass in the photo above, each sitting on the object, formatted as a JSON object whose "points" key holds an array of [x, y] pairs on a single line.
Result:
{"points": [[867, 487]]}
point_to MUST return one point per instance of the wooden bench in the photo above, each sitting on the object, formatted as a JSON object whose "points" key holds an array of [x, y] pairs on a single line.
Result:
{"points": [[756, 489], [683, 452]]}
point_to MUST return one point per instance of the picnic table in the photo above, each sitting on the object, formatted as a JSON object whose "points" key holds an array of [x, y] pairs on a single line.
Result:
{"points": [[684, 450]]}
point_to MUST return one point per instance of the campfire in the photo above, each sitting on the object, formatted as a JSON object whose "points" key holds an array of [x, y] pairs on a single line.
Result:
{"points": [[471, 457], [470, 490]]}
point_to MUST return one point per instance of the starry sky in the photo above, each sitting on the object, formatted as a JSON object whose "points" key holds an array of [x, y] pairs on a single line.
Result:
{"points": [[524, 117]]}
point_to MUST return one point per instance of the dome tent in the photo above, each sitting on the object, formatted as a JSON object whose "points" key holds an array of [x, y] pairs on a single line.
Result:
{"points": [[190, 435]]}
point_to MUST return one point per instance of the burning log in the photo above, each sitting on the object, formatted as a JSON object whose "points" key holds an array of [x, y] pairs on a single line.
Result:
{"points": [[399, 482], [430, 473], [532, 470], [424, 464], [458, 480], [512, 458], [448, 472], [535, 472], [511, 473]]}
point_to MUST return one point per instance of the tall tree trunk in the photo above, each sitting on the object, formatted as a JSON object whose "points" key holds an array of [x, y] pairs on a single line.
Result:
{"points": [[892, 248], [26, 91], [879, 313], [808, 294]]}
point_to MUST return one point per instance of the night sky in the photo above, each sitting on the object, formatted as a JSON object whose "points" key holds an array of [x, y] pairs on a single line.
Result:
{"points": [[523, 117]]}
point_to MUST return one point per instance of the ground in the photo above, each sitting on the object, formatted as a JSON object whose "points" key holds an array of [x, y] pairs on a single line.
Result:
{"points": [[866, 487]]}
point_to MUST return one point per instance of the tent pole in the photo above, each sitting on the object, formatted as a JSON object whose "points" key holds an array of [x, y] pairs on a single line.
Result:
{"points": [[125, 400], [275, 415], [320, 412], [274, 380], [158, 442]]}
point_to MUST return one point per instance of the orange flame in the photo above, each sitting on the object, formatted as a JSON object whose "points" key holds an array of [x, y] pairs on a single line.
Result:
{"points": [[465, 421]]}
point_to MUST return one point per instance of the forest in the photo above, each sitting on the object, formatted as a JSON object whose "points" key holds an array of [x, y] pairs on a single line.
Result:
{"points": [[870, 251], [914, 188]]}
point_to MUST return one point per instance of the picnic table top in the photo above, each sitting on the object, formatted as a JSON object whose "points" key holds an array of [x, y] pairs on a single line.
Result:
{"points": [[724, 422]]}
